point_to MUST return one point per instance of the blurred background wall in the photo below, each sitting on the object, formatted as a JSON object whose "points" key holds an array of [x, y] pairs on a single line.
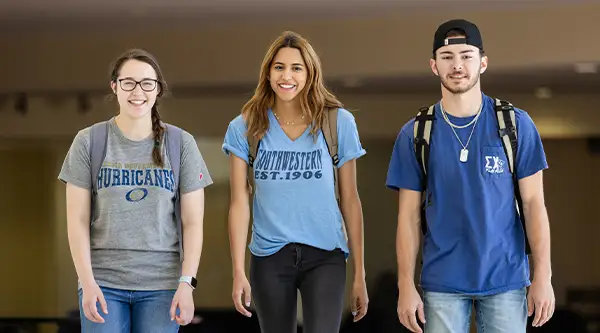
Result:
{"points": [[55, 63]]}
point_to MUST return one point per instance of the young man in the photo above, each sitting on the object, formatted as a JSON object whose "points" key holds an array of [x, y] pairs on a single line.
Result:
{"points": [[475, 245]]}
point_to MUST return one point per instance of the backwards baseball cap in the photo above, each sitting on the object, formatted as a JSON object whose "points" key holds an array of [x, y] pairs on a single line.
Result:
{"points": [[473, 36]]}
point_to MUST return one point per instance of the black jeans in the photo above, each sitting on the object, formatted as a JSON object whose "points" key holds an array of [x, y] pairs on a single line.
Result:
{"points": [[319, 275]]}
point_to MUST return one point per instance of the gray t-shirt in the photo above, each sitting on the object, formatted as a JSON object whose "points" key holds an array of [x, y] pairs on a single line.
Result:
{"points": [[134, 240]]}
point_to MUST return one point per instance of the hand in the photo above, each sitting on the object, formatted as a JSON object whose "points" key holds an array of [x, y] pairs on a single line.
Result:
{"points": [[360, 299], [91, 296], [541, 299], [409, 303], [241, 287], [184, 300]]}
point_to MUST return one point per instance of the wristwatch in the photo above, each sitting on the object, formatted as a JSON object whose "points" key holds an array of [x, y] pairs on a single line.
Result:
{"points": [[189, 280]]}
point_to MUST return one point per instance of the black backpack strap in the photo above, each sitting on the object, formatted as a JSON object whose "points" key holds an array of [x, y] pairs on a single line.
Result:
{"points": [[505, 114], [423, 127], [253, 145]]}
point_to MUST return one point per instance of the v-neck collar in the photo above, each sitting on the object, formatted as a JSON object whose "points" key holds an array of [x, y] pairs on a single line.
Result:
{"points": [[275, 123]]}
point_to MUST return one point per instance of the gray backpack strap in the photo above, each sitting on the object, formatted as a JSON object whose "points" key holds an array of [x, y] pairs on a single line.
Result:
{"points": [[507, 129], [97, 152], [331, 139], [173, 143], [422, 129], [253, 144]]}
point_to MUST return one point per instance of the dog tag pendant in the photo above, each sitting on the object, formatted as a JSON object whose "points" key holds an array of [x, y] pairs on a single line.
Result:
{"points": [[464, 154]]}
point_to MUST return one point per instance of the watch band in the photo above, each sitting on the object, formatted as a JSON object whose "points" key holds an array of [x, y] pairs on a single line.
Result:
{"points": [[189, 280]]}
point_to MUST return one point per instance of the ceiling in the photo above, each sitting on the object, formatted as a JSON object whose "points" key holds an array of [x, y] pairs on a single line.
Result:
{"points": [[44, 14], [38, 13]]}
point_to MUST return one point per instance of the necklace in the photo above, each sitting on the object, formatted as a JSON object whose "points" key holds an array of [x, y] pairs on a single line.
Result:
{"points": [[464, 153], [286, 122]]}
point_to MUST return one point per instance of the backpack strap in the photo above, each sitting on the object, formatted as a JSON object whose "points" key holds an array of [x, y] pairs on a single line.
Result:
{"points": [[173, 143], [423, 127], [331, 139], [97, 152], [253, 144], [330, 134], [505, 114]]}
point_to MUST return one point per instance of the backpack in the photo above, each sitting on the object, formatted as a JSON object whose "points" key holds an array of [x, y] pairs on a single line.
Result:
{"points": [[507, 130], [97, 152], [330, 134]]}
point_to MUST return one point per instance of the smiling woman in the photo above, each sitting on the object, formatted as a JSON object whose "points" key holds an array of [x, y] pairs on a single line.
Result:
{"points": [[298, 239], [133, 174]]}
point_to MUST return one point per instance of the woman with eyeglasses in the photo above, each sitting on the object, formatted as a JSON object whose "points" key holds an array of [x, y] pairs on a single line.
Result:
{"points": [[135, 230]]}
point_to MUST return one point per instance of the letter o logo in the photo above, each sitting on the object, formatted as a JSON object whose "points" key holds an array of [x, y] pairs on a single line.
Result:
{"points": [[137, 194]]}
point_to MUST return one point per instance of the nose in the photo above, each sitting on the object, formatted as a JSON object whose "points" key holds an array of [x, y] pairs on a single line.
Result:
{"points": [[457, 65], [287, 74]]}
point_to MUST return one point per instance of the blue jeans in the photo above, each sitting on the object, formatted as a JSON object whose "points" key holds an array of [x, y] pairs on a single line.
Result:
{"points": [[132, 312], [451, 313]]}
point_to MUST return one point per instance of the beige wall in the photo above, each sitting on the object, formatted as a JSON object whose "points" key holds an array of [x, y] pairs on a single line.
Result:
{"points": [[28, 279], [231, 52]]}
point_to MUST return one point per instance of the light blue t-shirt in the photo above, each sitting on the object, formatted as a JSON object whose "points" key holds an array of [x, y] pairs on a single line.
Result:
{"points": [[475, 243], [294, 200]]}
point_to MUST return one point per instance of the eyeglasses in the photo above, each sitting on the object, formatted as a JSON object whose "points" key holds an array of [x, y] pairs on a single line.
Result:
{"points": [[147, 85]]}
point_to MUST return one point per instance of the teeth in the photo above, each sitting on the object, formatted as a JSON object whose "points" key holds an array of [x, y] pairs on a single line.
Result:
{"points": [[137, 102], [286, 86]]}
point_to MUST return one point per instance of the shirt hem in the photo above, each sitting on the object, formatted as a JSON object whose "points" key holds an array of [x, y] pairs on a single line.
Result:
{"points": [[497, 290], [158, 287]]}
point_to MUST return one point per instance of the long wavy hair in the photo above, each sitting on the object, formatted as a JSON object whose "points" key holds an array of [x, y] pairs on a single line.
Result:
{"points": [[315, 98]]}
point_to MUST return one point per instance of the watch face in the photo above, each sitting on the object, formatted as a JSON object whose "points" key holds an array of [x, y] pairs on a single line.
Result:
{"points": [[194, 282]]}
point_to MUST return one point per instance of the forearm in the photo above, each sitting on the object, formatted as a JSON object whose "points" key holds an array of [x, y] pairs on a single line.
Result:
{"points": [[353, 217], [193, 238], [538, 233], [407, 247], [239, 220], [78, 233]]}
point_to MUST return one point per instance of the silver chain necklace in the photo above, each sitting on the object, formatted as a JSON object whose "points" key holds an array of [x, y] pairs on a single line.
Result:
{"points": [[464, 153], [286, 122]]}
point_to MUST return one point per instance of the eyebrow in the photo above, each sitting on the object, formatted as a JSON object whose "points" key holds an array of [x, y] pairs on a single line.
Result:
{"points": [[294, 64], [132, 78], [461, 52]]}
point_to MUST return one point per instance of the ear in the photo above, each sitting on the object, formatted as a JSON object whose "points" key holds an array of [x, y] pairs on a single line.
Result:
{"points": [[433, 66], [113, 86], [484, 64]]}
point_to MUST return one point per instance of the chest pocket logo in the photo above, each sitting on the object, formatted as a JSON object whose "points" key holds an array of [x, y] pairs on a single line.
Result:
{"points": [[494, 164]]}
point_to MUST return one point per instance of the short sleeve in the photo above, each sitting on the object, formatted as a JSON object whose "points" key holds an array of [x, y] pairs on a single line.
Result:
{"points": [[404, 171], [349, 146], [194, 174], [76, 168], [531, 157], [235, 141]]}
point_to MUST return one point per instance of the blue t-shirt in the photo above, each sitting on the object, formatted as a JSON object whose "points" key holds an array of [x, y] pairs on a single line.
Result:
{"points": [[475, 243], [294, 200]]}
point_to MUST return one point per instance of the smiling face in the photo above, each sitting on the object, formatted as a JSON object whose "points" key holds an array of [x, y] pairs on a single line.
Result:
{"points": [[459, 67], [287, 74], [137, 88]]}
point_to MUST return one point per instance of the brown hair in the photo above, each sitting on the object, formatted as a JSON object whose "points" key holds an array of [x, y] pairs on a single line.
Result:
{"points": [[314, 98], [157, 127]]}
